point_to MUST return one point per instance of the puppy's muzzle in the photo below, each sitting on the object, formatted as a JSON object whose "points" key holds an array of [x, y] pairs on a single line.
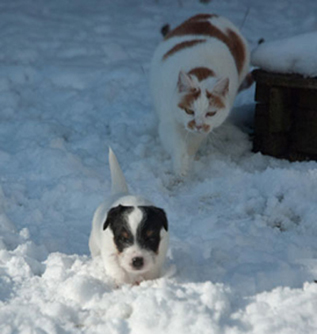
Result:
{"points": [[137, 263]]}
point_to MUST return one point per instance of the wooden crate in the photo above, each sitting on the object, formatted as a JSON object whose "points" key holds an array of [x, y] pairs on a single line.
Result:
{"points": [[285, 115]]}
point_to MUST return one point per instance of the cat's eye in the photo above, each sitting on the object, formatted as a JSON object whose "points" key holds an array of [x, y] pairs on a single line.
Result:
{"points": [[211, 113], [189, 111]]}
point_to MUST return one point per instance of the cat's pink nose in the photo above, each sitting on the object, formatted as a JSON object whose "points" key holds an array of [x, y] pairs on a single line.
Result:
{"points": [[199, 127]]}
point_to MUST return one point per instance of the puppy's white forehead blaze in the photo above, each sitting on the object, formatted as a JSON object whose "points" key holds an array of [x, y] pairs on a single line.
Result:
{"points": [[134, 219]]}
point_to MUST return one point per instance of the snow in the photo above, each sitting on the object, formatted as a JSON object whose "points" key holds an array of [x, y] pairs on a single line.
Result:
{"points": [[74, 80], [296, 54]]}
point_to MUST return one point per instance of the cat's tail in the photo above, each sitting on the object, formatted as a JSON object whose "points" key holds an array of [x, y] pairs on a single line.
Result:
{"points": [[118, 182], [247, 82]]}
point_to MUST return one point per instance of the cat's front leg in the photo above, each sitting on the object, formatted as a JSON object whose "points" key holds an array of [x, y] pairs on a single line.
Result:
{"points": [[175, 142], [182, 162], [183, 155]]}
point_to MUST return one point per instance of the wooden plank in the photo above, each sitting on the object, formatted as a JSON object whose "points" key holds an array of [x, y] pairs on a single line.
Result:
{"points": [[307, 98], [284, 80], [303, 136], [279, 111], [262, 93], [299, 156], [261, 119], [305, 115], [286, 116], [274, 144]]}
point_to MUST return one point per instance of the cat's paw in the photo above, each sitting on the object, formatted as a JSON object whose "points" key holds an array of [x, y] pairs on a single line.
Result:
{"points": [[181, 173], [182, 166]]}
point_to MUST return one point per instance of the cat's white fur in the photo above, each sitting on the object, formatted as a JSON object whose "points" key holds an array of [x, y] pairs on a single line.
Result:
{"points": [[166, 76]]}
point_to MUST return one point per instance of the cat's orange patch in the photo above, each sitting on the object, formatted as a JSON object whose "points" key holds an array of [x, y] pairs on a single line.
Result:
{"points": [[182, 46], [195, 27], [201, 73], [199, 25], [185, 27], [199, 17], [237, 49], [192, 125], [188, 99], [215, 100], [206, 127]]}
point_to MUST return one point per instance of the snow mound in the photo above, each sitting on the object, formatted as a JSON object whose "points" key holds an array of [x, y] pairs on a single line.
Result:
{"points": [[74, 80], [297, 54]]}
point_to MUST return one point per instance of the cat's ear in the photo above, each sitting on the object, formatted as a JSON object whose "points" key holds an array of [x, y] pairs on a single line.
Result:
{"points": [[222, 87], [185, 83]]}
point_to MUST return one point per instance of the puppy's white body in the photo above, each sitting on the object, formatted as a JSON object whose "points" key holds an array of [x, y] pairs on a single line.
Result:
{"points": [[102, 242]]}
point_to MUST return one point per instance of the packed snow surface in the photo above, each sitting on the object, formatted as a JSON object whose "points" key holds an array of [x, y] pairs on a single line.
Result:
{"points": [[297, 54], [74, 80]]}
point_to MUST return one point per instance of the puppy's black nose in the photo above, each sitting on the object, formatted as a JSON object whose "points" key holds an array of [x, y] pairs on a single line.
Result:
{"points": [[137, 262]]}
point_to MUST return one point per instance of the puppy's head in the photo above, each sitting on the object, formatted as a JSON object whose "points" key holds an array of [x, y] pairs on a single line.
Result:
{"points": [[139, 235]]}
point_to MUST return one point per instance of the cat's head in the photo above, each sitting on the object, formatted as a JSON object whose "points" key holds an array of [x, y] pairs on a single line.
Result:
{"points": [[203, 104]]}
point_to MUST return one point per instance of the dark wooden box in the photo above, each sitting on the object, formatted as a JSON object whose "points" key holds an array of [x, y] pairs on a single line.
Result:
{"points": [[285, 115]]}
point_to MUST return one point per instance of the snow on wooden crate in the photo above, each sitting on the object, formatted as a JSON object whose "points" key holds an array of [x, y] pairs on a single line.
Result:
{"points": [[286, 115]]}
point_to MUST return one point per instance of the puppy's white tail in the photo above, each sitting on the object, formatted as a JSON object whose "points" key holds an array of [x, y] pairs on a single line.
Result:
{"points": [[118, 183]]}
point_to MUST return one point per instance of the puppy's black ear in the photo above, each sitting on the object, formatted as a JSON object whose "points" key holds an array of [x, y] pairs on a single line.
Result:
{"points": [[161, 216], [164, 219], [106, 223], [114, 214]]}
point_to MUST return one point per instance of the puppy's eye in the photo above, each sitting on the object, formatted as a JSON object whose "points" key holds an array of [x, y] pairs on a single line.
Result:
{"points": [[211, 113], [189, 111], [151, 239], [124, 237]]}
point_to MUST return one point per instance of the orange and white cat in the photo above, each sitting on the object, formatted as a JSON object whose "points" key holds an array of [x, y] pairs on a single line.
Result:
{"points": [[196, 72]]}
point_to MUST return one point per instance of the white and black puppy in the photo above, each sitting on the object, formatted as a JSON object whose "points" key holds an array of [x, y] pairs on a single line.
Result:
{"points": [[129, 233]]}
